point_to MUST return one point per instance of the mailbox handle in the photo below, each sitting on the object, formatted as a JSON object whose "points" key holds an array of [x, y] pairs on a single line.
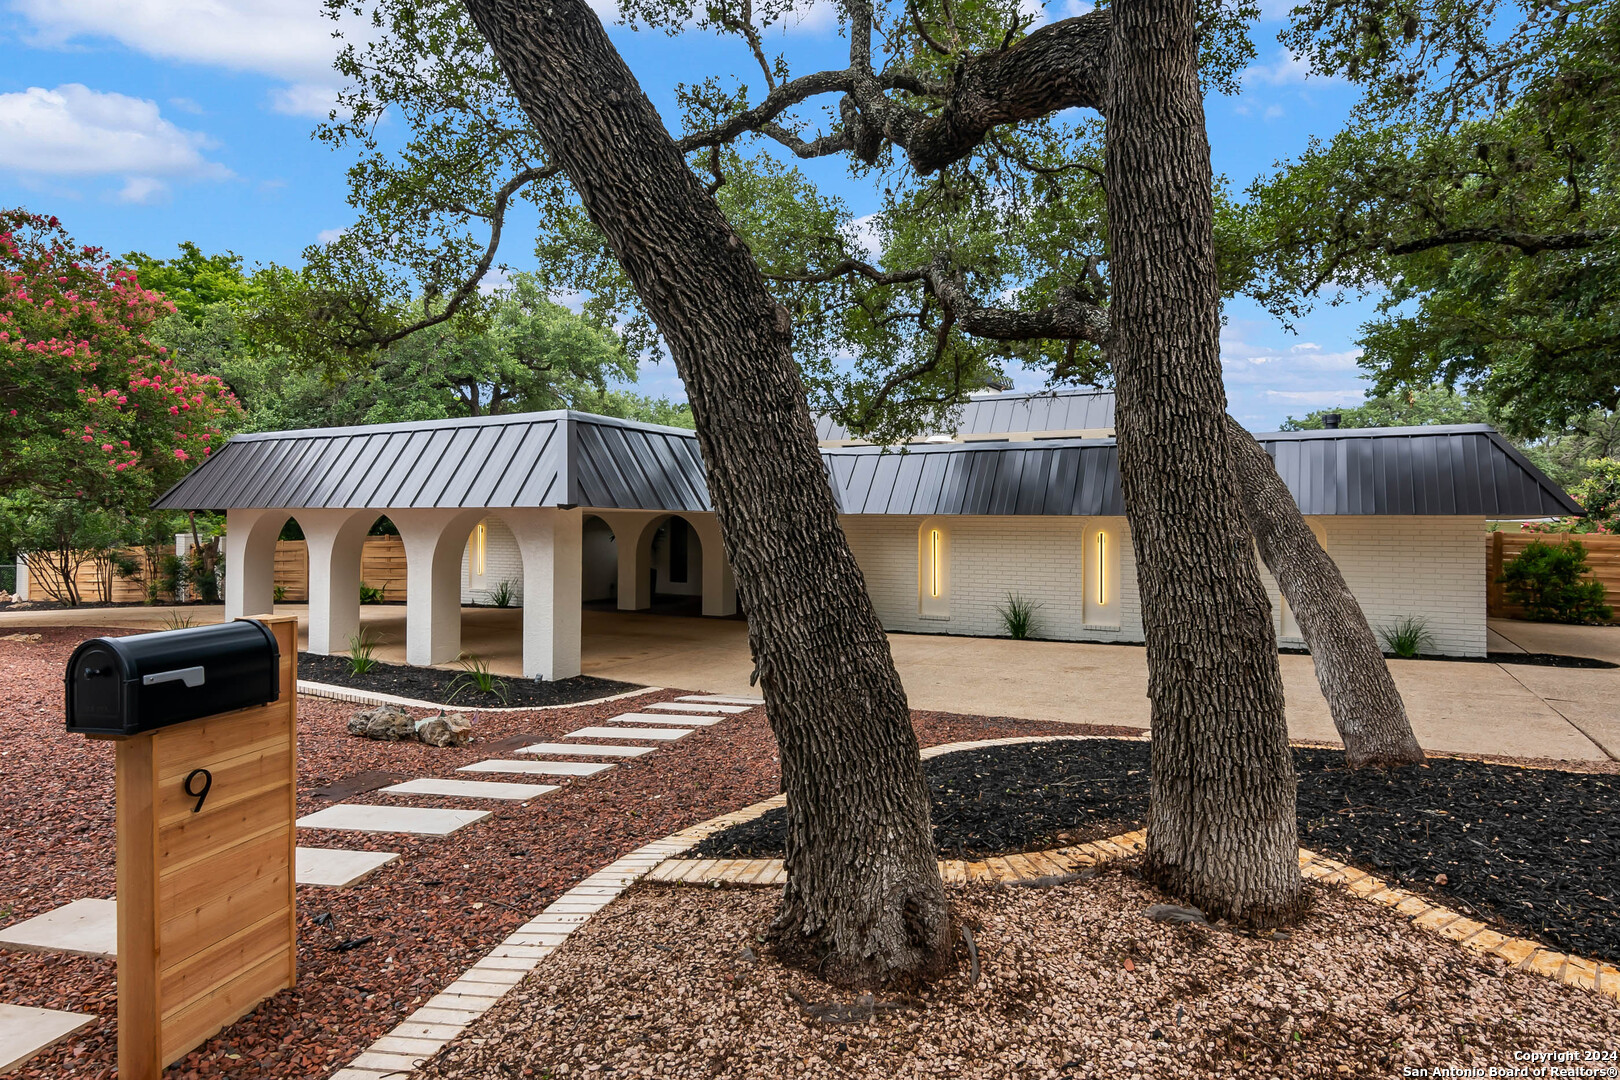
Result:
{"points": [[191, 676]]}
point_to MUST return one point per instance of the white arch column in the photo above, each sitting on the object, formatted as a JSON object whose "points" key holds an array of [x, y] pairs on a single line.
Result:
{"points": [[336, 540], [550, 542], [434, 541], [719, 584], [250, 560], [632, 540]]}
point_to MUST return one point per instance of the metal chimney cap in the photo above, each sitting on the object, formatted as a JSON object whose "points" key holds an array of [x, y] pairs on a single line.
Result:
{"points": [[1331, 420]]}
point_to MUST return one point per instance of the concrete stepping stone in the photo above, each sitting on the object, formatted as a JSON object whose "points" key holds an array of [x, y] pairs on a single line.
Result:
{"points": [[82, 928], [724, 699], [421, 821], [337, 868], [575, 750], [471, 789], [538, 768], [664, 734], [694, 707], [25, 1031], [657, 718]]}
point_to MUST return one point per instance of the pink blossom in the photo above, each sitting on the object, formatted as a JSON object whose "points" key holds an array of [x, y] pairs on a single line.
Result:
{"points": [[181, 455]]}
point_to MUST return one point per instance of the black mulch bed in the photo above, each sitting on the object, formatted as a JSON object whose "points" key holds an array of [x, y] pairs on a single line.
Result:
{"points": [[1534, 850], [432, 684]]}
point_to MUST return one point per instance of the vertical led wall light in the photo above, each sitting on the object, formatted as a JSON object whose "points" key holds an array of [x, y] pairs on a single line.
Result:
{"points": [[480, 546], [1102, 568], [933, 563]]}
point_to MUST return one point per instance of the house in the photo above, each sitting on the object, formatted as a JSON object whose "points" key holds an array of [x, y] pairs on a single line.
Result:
{"points": [[1023, 497]]}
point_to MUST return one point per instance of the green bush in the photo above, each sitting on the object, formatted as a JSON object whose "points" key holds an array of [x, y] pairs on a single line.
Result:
{"points": [[370, 594], [1407, 637], [1551, 583], [503, 594], [476, 677], [362, 653], [1018, 617]]}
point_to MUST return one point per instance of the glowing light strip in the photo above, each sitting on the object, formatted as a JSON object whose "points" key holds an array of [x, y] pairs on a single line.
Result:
{"points": [[933, 561], [480, 549], [1102, 539]]}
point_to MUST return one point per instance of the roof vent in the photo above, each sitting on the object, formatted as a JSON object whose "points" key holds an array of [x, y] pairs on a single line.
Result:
{"points": [[1331, 420]]}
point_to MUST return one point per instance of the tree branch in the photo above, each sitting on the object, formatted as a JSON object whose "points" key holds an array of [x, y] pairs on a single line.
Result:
{"points": [[1528, 243]]}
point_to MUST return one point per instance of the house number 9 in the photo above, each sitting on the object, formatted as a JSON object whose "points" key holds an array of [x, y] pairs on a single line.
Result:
{"points": [[207, 782]]}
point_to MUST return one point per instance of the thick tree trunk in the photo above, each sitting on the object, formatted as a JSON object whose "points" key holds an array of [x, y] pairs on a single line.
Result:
{"points": [[1367, 709], [1221, 826], [864, 898]]}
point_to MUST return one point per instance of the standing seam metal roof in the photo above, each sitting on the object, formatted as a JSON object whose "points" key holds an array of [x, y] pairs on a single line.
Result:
{"points": [[577, 459], [1015, 413]]}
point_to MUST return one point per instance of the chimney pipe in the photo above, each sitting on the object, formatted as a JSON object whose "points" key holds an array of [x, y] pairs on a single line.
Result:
{"points": [[1331, 420]]}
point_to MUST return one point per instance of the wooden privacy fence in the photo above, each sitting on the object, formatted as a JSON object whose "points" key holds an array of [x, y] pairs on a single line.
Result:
{"points": [[1602, 555], [89, 578], [382, 566]]}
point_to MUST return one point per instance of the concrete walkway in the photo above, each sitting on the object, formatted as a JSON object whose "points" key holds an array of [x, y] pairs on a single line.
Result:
{"points": [[1512, 710]]}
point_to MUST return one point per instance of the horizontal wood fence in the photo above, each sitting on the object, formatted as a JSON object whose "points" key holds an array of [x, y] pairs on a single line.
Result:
{"points": [[89, 578], [1602, 554], [382, 566]]}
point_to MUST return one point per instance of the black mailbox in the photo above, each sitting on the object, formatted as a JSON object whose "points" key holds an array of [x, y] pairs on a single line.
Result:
{"points": [[123, 686]]}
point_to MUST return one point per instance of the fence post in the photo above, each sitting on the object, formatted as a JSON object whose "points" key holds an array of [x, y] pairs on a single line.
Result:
{"points": [[1494, 594]]}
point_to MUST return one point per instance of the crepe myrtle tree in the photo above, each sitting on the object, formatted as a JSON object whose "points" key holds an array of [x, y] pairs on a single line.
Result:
{"points": [[960, 110]]}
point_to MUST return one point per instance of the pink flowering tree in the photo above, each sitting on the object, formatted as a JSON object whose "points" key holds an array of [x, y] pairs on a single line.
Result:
{"points": [[90, 409]]}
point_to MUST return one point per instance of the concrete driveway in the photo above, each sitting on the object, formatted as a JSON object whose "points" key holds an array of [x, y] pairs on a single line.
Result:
{"points": [[1471, 707]]}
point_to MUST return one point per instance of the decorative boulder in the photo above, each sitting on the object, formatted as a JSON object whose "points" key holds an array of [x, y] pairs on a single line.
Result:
{"points": [[386, 722], [442, 730]]}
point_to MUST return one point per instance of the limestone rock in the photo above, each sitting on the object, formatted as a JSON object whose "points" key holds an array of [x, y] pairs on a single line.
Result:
{"points": [[444, 730], [386, 722]]}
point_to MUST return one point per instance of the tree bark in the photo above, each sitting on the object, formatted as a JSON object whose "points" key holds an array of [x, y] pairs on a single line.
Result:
{"points": [[1367, 709], [1221, 822], [864, 898]]}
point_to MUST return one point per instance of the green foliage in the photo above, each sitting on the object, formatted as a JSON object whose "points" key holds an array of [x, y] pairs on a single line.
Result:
{"points": [[177, 620], [193, 282], [59, 536], [476, 678], [503, 594], [1407, 637], [1599, 495], [1551, 582], [1406, 408], [362, 652], [370, 594], [1018, 617], [279, 594]]}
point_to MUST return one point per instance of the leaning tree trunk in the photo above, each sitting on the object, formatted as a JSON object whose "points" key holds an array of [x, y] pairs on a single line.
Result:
{"points": [[864, 898], [1367, 709], [1221, 825]]}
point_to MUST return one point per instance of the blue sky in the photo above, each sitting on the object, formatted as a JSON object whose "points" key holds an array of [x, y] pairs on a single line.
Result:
{"points": [[141, 123]]}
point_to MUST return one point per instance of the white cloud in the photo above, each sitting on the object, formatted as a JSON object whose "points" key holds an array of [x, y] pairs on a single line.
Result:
{"points": [[76, 131], [329, 236], [1351, 396], [315, 100], [1287, 69], [863, 233], [1073, 9], [186, 105]]}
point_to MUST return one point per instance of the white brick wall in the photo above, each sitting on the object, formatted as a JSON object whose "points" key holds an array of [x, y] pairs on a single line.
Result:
{"points": [[502, 562], [1396, 566], [1037, 557]]}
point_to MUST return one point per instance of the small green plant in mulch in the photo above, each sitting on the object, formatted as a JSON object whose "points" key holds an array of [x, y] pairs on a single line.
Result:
{"points": [[1407, 637], [174, 620], [362, 653], [1553, 583], [503, 594], [1018, 616], [370, 594], [476, 678]]}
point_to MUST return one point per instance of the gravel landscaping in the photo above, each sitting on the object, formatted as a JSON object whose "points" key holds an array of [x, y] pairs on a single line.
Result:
{"points": [[429, 915], [1531, 851], [672, 982], [433, 684]]}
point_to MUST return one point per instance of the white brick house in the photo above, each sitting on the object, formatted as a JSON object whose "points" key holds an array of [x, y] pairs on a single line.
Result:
{"points": [[1022, 499]]}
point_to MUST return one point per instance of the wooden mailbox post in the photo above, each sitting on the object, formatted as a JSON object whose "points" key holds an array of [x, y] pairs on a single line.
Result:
{"points": [[206, 923]]}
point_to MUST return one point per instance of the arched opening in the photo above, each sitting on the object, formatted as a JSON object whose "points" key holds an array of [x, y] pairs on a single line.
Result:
{"points": [[599, 563], [668, 572]]}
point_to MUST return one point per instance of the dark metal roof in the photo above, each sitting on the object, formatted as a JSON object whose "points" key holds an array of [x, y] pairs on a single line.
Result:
{"points": [[1468, 470], [531, 459], [576, 459], [1015, 413]]}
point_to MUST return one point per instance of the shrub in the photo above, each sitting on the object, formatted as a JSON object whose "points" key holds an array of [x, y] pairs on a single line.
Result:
{"points": [[279, 593], [370, 594], [1550, 581], [174, 620], [362, 653], [503, 594], [1018, 617], [1407, 637], [476, 676]]}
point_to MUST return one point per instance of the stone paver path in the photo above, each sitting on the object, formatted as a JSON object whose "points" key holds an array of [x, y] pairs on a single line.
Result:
{"points": [[693, 707], [723, 699], [82, 928], [336, 868], [538, 768], [25, 1031], [664, 718], [359, 817], [470, 789], [576, 750], [665, 734]]}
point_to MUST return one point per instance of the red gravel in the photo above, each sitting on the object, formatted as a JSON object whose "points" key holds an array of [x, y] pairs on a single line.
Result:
{"points": [[431, 913]]}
